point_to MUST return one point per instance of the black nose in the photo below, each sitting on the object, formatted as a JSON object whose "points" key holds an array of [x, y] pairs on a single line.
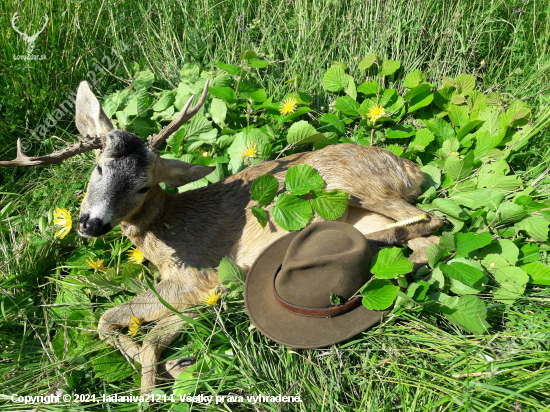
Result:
{"points": [[93, 227]]}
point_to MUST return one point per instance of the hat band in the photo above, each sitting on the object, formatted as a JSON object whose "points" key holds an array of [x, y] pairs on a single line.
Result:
{"points": [[331, 312]]}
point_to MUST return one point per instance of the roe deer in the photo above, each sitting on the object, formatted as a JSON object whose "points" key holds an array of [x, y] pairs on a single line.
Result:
{"points": [[182, 232]]}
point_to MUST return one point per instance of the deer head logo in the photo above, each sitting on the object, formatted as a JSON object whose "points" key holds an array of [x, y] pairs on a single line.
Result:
{"points": [[28, 39]]}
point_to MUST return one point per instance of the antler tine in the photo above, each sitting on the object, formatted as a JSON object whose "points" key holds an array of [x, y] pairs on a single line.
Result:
{"points": [[43, 27], [158, 139], [83, 145], [13, 19]]}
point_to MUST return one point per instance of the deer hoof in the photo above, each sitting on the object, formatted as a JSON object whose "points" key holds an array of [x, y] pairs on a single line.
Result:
{"points": [[172, 368]]}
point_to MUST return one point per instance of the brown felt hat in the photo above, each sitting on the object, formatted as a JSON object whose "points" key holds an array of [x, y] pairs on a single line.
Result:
{"points": [[287, 290]]}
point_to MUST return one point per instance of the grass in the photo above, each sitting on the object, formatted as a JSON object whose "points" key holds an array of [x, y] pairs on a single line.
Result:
{"points": [[414, 360]]}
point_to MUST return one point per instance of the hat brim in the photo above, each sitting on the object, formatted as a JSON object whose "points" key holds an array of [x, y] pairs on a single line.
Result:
{"points": [[291, 329]]}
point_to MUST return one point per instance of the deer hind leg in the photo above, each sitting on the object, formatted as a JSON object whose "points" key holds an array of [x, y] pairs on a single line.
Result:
{"points": [[398, 210]]}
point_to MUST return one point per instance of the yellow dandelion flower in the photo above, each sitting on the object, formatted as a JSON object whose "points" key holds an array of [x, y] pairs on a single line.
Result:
{"points": [[288, 105], [97, 265], [135, 256], [211, 298], [134, 327], [248, 151], [375, 113], [64, 220]]}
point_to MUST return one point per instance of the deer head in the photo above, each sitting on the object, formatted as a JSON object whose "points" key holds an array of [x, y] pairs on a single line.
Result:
{"points": [[127, 167]]}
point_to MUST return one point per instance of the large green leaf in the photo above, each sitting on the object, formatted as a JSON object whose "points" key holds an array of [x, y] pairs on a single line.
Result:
{"points": [[457, 168], [227, 94], [458, 115], [512, 281], [422, 139], [399, 131], [461, 275], [389, 67], [234, 70], [347, 105], [368, 61], [413, 79], [474, 200], [264, 189], [260, 214], [536, 226], [465, 83], [379, 294], [468, 242], [300, 179], [448, 206], [390, 263], [335, 79], [166, 100], [468, 311], [302, 132], [538, 272], [291, 212], [144, 80], [368, 88], [218, 110], [230, 274], [331, 204], [190, 72]]}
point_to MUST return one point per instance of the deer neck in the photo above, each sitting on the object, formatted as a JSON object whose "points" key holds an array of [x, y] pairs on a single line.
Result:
{"points": [[173, 232]]}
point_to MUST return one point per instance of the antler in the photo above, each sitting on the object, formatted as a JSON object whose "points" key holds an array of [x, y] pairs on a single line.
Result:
{"points": [[35, 35], [83, 145], [157, 139], [13, 19]]}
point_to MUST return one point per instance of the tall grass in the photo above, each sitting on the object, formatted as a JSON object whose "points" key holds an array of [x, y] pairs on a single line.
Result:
{"points": [[411, 362]]}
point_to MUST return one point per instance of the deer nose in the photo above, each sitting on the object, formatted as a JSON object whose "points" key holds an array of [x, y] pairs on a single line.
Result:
{"points": [[94, 226]]}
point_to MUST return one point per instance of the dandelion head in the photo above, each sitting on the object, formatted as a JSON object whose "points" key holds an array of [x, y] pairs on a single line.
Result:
{"points": [[249, 151], [135, 256], [288, 105], [97, 265], [63, 220], [211, 298], [134, 327], [375, 113]]}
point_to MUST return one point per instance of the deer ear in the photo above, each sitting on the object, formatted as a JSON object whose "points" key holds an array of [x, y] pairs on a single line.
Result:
{"points": [[90, 117], [177, 173]]}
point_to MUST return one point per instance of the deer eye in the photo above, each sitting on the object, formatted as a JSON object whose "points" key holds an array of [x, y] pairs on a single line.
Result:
{"points": [[99, 169], [143, 189]]}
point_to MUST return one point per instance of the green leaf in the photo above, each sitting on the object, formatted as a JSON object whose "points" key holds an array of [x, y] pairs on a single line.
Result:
{"points": [[418, 90], [334, 299], [390, 263], [261, 215], [448, 206], [469, 312], [493, 262], [137, 103], [467, 128], [399, 131], [330, 204], [144, 80], [110, 104], [458, 115], [335, 79], [264, 189], [234, 70], [512, 281], [196, 45], [443, 97], [331, 123], [414, 79], [420, 100], [459, 169], [368, 61], [368, 88], [141, 127], [230, 274], [227, 94], [434, 253], [379, 294], [441, 129], [509, 212], [300, 179], [536, 226], [257, 95], [389, 67], [422, 139], [538, 272], [260, 64], [465, 274], [474, 200], [302, 132], [465, 83], [351, 90], [218, 110], [291, 212], [190, 72], [432, 177], [468, 242], [346, 105]]}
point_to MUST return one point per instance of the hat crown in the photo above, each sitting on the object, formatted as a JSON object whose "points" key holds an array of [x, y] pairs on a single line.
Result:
{"points": [[332, 258]]}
